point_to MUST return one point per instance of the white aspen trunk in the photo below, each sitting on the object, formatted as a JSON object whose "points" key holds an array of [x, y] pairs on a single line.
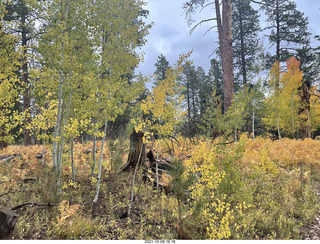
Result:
{"points": [[253, 136], [157, 171], [57, 126], [100, 160], [42, 159], [72, 161], [292, 115], [94, 146], [59, 149], [278, 125], [235, 129], [62, 142], [209, 130], [133, 180]]}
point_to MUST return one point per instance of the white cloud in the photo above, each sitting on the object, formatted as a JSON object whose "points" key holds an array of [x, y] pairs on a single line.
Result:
{"points": [[170, 34]]}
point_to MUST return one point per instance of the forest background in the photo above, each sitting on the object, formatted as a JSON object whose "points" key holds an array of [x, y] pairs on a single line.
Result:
{"points": [[68, 83]]}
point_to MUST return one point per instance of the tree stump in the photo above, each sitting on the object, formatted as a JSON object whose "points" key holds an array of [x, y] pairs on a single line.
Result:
{"points": [[136, 142], [8, 220], [3, 144]]}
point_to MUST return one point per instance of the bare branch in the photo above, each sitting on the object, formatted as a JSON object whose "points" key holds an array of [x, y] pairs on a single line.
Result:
{"points": [[206, 6], [314, 95], [34, 204], [201, 22], [209, 30], [259, 2], [215, 50]]}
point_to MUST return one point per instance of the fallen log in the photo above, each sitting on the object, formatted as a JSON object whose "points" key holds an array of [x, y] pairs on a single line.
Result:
{"points": [[8, 159], [39, 155], [8, 220], [35, 204], [29, 180], [4, 156]]}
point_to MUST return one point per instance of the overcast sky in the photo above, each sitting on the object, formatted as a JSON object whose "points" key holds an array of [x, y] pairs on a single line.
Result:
{"points": [[170, 34]]}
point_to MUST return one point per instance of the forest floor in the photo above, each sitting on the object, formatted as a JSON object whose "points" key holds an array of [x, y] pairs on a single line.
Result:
{"points": [[264, 194], [311, 231]]}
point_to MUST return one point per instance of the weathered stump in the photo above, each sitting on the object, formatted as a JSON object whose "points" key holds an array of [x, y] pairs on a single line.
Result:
{"points": [[136, 145], [3, 144], [8, 220]]}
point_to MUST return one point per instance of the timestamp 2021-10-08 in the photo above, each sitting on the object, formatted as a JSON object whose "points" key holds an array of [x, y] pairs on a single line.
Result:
{"points": [[160, 241]]}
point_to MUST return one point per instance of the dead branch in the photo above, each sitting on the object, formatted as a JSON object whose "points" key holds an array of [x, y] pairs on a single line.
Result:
{"points": [[10, 192], [35, 204], [201, 22]]}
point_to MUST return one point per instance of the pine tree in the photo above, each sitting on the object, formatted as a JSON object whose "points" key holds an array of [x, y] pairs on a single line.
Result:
{"points": [[245, 28], [190, 82], [204, 90], [162, 65], [216, 78], [224, 25], [23, 16], [288, 28]]}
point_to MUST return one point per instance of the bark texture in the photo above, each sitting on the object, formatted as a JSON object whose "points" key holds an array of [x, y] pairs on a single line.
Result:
{"points": [[225, 41], [8, 220], [136, 142], [305, 131]]}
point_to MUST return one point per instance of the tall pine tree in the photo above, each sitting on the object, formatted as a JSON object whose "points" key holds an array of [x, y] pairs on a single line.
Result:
{"points": [[288, 28], [245, 29], [162, 66]]}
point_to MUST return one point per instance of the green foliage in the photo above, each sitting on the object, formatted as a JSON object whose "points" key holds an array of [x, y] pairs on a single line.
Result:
{"points": [[163, 104], [288, 25], [10, 118], [245, 29], [210, 124], [236, 116], [117, 148], [162, 65]]}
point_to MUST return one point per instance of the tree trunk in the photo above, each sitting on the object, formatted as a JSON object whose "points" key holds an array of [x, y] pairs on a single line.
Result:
{"points": [[227, 53], [133, 180], [72, 160], [57, 126], [225, 41], [8, 220], [243, 58], [100, 160], [3, 144], [278, 125], [305, 131], [253, 136], [278, 31], [136, 142], [25, 78], [94, 146], [188, 108]]}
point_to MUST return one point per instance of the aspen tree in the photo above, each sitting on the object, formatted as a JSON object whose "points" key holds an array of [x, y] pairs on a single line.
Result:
{"points": [[116, 34], [284, 102], [9, 59], [66, 54], [164, 105]]}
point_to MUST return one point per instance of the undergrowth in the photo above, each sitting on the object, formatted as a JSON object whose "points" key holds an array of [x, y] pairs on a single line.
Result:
{"points": [[254, 189]]}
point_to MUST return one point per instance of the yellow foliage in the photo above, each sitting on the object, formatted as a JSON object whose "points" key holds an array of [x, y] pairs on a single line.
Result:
{"points": [[266, 153], [164, 104], [216, 214], [314, 108], [284, 100]]}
